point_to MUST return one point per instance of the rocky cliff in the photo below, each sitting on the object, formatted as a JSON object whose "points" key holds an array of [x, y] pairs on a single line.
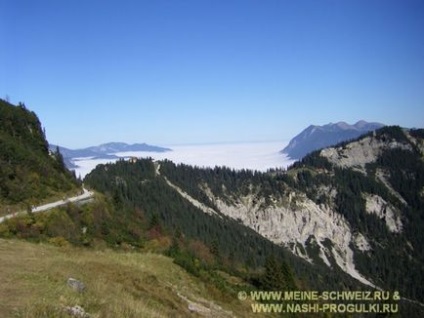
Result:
{"points": [[345, 206], [355, 208]]}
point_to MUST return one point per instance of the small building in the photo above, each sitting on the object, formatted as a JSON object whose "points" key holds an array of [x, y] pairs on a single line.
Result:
{"points": [[132, 159]]}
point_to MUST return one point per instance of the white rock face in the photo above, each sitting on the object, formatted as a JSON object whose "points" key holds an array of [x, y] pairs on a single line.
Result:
{"points": [[192, 200], [292, 223], [361, 243], [382, 177], [358, 154], [186, 196], [419, 143], [377, 205], [296, 224]]}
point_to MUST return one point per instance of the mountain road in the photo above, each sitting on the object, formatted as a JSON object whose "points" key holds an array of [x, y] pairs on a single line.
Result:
{"points": [[86, 195]]}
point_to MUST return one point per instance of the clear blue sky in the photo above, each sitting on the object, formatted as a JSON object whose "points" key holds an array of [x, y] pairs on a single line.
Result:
{"points": [[193, 71]]}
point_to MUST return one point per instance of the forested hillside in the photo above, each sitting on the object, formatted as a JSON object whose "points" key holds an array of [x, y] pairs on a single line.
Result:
{"points": [[349, 217], [140, 185], [376, 183], [29, 173], [356, 209]]}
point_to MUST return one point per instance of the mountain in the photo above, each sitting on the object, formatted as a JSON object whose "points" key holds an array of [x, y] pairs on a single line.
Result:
{"points": [[103, 151], [132, 277], [344, 218], [355, 208], [347, 217], [318, 137], [107, 150], [29, 172]]}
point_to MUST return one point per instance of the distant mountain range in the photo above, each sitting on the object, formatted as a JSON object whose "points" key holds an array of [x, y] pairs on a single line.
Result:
{"points": [[317, 137], [103, 151]]}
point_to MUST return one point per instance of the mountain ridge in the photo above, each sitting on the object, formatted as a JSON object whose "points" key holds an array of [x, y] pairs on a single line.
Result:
{"points": [[359, 214], [347, 216], [29, 171], [316, 137], [107, 149], [103, 151]]}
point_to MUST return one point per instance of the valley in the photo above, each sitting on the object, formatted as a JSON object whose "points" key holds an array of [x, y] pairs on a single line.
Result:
{"points": [[259, 156], [215, 159]]}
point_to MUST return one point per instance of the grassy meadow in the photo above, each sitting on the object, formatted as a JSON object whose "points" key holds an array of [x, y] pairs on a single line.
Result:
{"points": [[33, 283]]}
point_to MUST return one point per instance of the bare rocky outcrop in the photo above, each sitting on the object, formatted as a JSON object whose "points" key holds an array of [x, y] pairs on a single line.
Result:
{"points": [[382, 177], [76, 285], [419, 143], [200, 306], [76, 311], [192, 200], [361, 242], [385, 211], [205, 308], [292, 222], [186, 196], [357, 154], [294, 225]]}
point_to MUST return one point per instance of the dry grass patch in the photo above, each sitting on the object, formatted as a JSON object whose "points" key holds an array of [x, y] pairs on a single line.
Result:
{"points": [[33, 283]]}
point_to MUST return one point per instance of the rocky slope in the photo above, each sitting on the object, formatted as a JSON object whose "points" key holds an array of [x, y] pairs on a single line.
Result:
{"points": [[354, 207]]}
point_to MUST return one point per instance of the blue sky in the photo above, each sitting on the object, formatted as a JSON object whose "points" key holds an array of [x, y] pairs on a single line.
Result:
{"points": [[194, 71]]}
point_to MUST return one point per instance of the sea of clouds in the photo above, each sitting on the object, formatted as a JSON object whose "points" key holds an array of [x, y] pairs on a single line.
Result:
{"points": [[259, 156]]}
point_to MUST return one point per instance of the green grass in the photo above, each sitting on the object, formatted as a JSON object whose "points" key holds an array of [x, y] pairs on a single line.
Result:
{"points": [[33, 283]]}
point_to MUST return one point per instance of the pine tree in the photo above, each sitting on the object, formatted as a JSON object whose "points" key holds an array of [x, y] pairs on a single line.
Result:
{"points": [[277, 275]]}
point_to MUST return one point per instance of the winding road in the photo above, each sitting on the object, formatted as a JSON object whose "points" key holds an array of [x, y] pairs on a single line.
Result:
{"points": [[45, 207]]}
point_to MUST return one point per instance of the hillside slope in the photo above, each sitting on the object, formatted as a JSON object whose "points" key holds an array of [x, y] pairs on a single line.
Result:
{"points": [[29, 173], [349, 217], [33, 283], [356, 208]]}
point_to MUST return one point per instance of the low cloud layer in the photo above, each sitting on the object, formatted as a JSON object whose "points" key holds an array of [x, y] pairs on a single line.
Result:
{"points": [[255, 156]]}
